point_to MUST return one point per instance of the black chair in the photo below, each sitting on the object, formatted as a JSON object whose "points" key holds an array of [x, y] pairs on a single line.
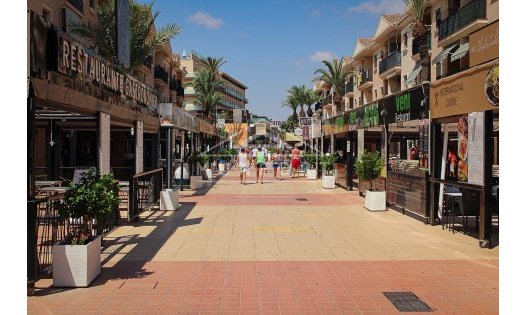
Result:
{"points": [[470, 206], [452, 200]]}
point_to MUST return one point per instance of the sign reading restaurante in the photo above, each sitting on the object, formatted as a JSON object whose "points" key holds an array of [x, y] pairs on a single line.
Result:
{"points": [[76, 61]]}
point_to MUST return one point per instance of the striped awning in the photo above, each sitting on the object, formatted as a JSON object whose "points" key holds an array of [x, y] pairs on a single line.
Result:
{"points": [[460, 52], [414, 73], [443, 55]]}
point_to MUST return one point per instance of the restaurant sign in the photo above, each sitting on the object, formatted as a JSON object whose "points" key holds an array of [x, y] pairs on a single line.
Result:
{"points": [[484, 45], [79, 62], [472, 91], [406, 106], [185, 120]]}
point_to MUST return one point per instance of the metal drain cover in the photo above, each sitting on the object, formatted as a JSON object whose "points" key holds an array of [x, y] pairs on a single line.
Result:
{"points": [[407, 302], [302, 199]]}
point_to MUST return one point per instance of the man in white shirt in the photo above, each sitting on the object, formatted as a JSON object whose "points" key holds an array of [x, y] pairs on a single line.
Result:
{"points": [[242, 164]]}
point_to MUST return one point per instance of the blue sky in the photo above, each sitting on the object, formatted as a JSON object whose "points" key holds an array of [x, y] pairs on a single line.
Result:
{"points": [[271, 45]]}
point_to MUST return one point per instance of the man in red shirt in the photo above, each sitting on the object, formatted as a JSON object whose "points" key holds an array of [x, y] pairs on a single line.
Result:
{"points": [[295, 162]]}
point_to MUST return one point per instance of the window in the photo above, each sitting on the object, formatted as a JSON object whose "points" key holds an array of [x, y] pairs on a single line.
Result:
{"points": [[375, 94], [405, 39], [438, 16], [92, 3], [375, 60]]}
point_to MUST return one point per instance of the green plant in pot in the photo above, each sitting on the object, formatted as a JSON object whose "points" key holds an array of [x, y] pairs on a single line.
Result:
{"points": [[368, 167], [311, 159], [76, 260], [95, 197], [327, 163]]}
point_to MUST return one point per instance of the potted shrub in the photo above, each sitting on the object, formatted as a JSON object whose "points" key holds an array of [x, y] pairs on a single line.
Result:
{"points": [[328, 179], [221, 162], [76, 259], [195, 178], [311, 171], [206, 161], [368, 167]]}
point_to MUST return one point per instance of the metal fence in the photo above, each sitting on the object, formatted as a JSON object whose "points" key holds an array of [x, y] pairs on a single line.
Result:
{"points": [[145, 191], [46, 228]]}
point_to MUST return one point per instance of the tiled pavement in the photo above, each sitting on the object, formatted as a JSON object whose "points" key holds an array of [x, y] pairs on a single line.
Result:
{"points": [[284, 247]]}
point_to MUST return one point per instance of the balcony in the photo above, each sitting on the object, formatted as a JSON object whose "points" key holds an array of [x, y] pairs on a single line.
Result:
{"points": [[391, 65], [173, 84], [468, 18], [416, 46], [160, 75], [77, 4], [364, 80], [348, 88]]}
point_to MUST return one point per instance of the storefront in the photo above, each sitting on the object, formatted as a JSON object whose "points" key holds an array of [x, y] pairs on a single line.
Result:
{"points": [[405, 143], [464, 135], [341, 141]]}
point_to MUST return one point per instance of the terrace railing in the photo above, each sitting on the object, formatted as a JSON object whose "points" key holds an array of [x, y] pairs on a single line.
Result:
{"points": [[391, 61], [160, 73], [472, 11], [145, 192]]}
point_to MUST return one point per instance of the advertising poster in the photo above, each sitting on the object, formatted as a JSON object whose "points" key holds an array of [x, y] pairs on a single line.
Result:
{"points": [[423, 149], [462, 152], [261, 129], [476, 148], [239, 133]]}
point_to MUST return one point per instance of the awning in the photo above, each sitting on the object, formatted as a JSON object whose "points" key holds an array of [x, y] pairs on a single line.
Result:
{"points": [[290, 137], [414, 73], [443, 55], [460, 52]]}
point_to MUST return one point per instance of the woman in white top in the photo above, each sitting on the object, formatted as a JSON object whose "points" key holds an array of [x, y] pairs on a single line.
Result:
{"points": [[242, 164]]}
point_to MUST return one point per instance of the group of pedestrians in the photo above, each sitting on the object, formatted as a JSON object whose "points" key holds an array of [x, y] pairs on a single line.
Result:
{"points": [[259, 156]]}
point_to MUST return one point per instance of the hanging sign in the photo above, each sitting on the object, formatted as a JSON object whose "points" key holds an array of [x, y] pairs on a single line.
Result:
{"points": [[298, 131], [423, 140], [305, 121]]}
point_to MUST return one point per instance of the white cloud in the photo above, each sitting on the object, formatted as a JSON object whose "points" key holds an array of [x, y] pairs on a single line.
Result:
{"points": [[298, 63], [206, 20], [378, 7], [323, 55]]}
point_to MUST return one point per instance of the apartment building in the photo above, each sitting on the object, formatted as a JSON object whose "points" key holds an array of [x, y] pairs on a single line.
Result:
{"points": [[231, 90]]}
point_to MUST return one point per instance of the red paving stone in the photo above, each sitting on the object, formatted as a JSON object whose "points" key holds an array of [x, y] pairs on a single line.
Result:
{"points": [[452, 286]]}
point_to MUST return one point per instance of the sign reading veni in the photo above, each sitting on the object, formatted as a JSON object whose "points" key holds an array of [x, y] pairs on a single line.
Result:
{"points": [[74, 60]]}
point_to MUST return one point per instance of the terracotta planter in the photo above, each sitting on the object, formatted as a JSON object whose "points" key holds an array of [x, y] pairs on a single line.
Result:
{"points": [[76, 265]]}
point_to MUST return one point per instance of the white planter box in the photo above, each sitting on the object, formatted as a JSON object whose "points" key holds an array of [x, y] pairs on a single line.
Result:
{"points": [[208, 173], [196, 182], [169, 199], [311, 174], [328, 181], [76, 265], [221, 167], [375, 200]]}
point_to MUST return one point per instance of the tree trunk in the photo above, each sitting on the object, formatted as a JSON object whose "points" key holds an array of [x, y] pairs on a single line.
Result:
{"points": [[302, 112]]}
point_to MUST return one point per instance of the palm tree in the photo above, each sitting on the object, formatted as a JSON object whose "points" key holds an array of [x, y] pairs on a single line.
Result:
{"points": [[335, 75], [292, 101], [310, 98], [214, 64], [206, 84], [417, 9], [142, 20]]}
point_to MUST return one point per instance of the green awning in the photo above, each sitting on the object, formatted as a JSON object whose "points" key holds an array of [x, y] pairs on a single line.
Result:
{"points": [[414, 73], [460, 52], [444, 53]]}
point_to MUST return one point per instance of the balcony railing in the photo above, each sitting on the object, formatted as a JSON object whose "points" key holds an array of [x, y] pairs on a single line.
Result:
{"points": [[391, 61], [416, 43], [78, 4], [349, 87], [173, 84], [472, 11], [180, 89], [160, 73], [364, 77], [148, 62]]}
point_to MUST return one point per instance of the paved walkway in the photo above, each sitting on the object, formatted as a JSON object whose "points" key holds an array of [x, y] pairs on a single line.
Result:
{"points": [[286, 247]]}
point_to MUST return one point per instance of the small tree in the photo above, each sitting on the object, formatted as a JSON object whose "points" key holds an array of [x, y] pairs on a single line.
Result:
{"points": [[368, 167], [327, 162], [95, 197], [311, 159]]}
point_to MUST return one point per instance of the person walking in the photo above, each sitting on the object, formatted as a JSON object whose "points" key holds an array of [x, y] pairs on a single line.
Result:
{"points": [[260, 164], [242, 164], [296, 162], [277, 160]]}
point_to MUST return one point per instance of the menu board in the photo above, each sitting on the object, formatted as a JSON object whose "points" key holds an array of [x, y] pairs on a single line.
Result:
{"points": [[476, 148], [423, 149], [462, 128]]}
